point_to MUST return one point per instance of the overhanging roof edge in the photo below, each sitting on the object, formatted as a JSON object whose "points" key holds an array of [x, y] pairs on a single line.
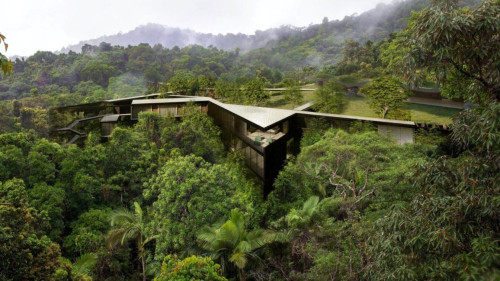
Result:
{"points": [[389, 122]]}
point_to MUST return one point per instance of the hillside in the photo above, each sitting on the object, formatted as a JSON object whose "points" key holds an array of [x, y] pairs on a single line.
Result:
{"points": [[99, 182], [371, 25], [315, 45], [273, 54], [169, 37]]}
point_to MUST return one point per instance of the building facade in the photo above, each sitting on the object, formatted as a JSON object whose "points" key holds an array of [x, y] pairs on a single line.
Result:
{"points": [[265, 136]]}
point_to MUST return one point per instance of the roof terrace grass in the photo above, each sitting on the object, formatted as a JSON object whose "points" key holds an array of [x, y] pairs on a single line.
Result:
{"points": [[358, 106]]}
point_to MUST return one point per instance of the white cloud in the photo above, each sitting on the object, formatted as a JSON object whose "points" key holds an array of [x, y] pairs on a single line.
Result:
{"points": [[32, 25]]}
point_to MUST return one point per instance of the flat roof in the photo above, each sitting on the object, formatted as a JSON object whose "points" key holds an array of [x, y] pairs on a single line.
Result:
{"points": [[133, 98], [358, 118], [263, 117], [110, 118], [171, 100], [285, 89], [103, 103], [304, 106]]}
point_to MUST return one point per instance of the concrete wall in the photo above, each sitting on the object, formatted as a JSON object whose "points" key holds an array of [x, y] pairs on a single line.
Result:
{"points": [[401, 134]]}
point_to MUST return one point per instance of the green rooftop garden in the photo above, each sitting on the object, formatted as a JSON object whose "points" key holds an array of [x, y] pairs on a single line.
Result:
{"points": [[358, 106]]}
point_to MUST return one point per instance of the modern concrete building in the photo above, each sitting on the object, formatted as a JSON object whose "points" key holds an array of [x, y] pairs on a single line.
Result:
{"points": [[266, 136]]}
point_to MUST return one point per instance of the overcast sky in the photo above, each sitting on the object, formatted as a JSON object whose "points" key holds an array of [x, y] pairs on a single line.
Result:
{"points": [[49, 25]]}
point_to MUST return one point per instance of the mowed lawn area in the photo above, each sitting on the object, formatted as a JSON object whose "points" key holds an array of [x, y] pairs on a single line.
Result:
{"points": [[278, 100], [358, 106]]}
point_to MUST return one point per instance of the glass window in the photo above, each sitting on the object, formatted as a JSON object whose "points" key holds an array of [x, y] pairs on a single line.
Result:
{"points": [[136, 109], [168, 110]]}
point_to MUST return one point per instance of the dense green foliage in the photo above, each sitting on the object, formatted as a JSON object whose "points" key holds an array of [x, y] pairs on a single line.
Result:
{"points": [[162, 194], [26, 252], [197, 135], [330, 98], [190, 268], [292, 92], [129, 226], [450, 229], [459, 45], [65, 195], [231, 242], [188, 193], [385, 95], [5, 64]]}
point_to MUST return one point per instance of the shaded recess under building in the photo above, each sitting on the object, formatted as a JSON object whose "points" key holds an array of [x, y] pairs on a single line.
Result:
{"points": [[265, 136]]}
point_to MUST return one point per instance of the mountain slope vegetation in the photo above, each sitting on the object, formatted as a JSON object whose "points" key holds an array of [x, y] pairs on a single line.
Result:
{"points": [[162, 199]]}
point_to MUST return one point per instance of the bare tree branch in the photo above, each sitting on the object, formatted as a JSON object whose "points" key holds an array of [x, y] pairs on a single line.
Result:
{"points": [[366, 195]]}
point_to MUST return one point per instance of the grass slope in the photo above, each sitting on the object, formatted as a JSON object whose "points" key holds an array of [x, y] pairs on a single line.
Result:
{"points": [[358, 106]]}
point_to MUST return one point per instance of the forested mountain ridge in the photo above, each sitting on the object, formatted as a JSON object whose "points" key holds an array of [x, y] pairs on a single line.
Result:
{"points": [[162, 199], [374, 25], [106, 71], [170, 37]]}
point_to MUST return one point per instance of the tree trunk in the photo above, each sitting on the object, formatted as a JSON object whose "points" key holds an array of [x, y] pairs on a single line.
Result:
{"points": [[143, 268], [140, 248], [242, 274], [384, 113]]}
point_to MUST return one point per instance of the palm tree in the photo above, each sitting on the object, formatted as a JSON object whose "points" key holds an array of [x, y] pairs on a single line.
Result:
{"points": [[231, 240], [128, 226], [299, 219], [83, 265]]}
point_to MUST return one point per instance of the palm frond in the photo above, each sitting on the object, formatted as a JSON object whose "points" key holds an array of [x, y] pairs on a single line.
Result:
{"points": [[239, 259], [310, 206], [284, 236], [149, 239], [237, 220], [258, 238], [121, 217], [229, 232], [208, 238], [84, 264], [131, 232], [232, 240], [243, 247], [138, 210], [114, 237]]}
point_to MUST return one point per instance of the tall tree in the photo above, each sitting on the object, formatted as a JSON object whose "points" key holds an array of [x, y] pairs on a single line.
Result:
{"points": [[184, 82], [26, 253], [253, 91], [385, 95], [330, 98], [450, 230], [292, 92], [196, 134], [130, 226], [98, 72], [188, 193], [456, 42], [227, 90], [231, 241]]}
